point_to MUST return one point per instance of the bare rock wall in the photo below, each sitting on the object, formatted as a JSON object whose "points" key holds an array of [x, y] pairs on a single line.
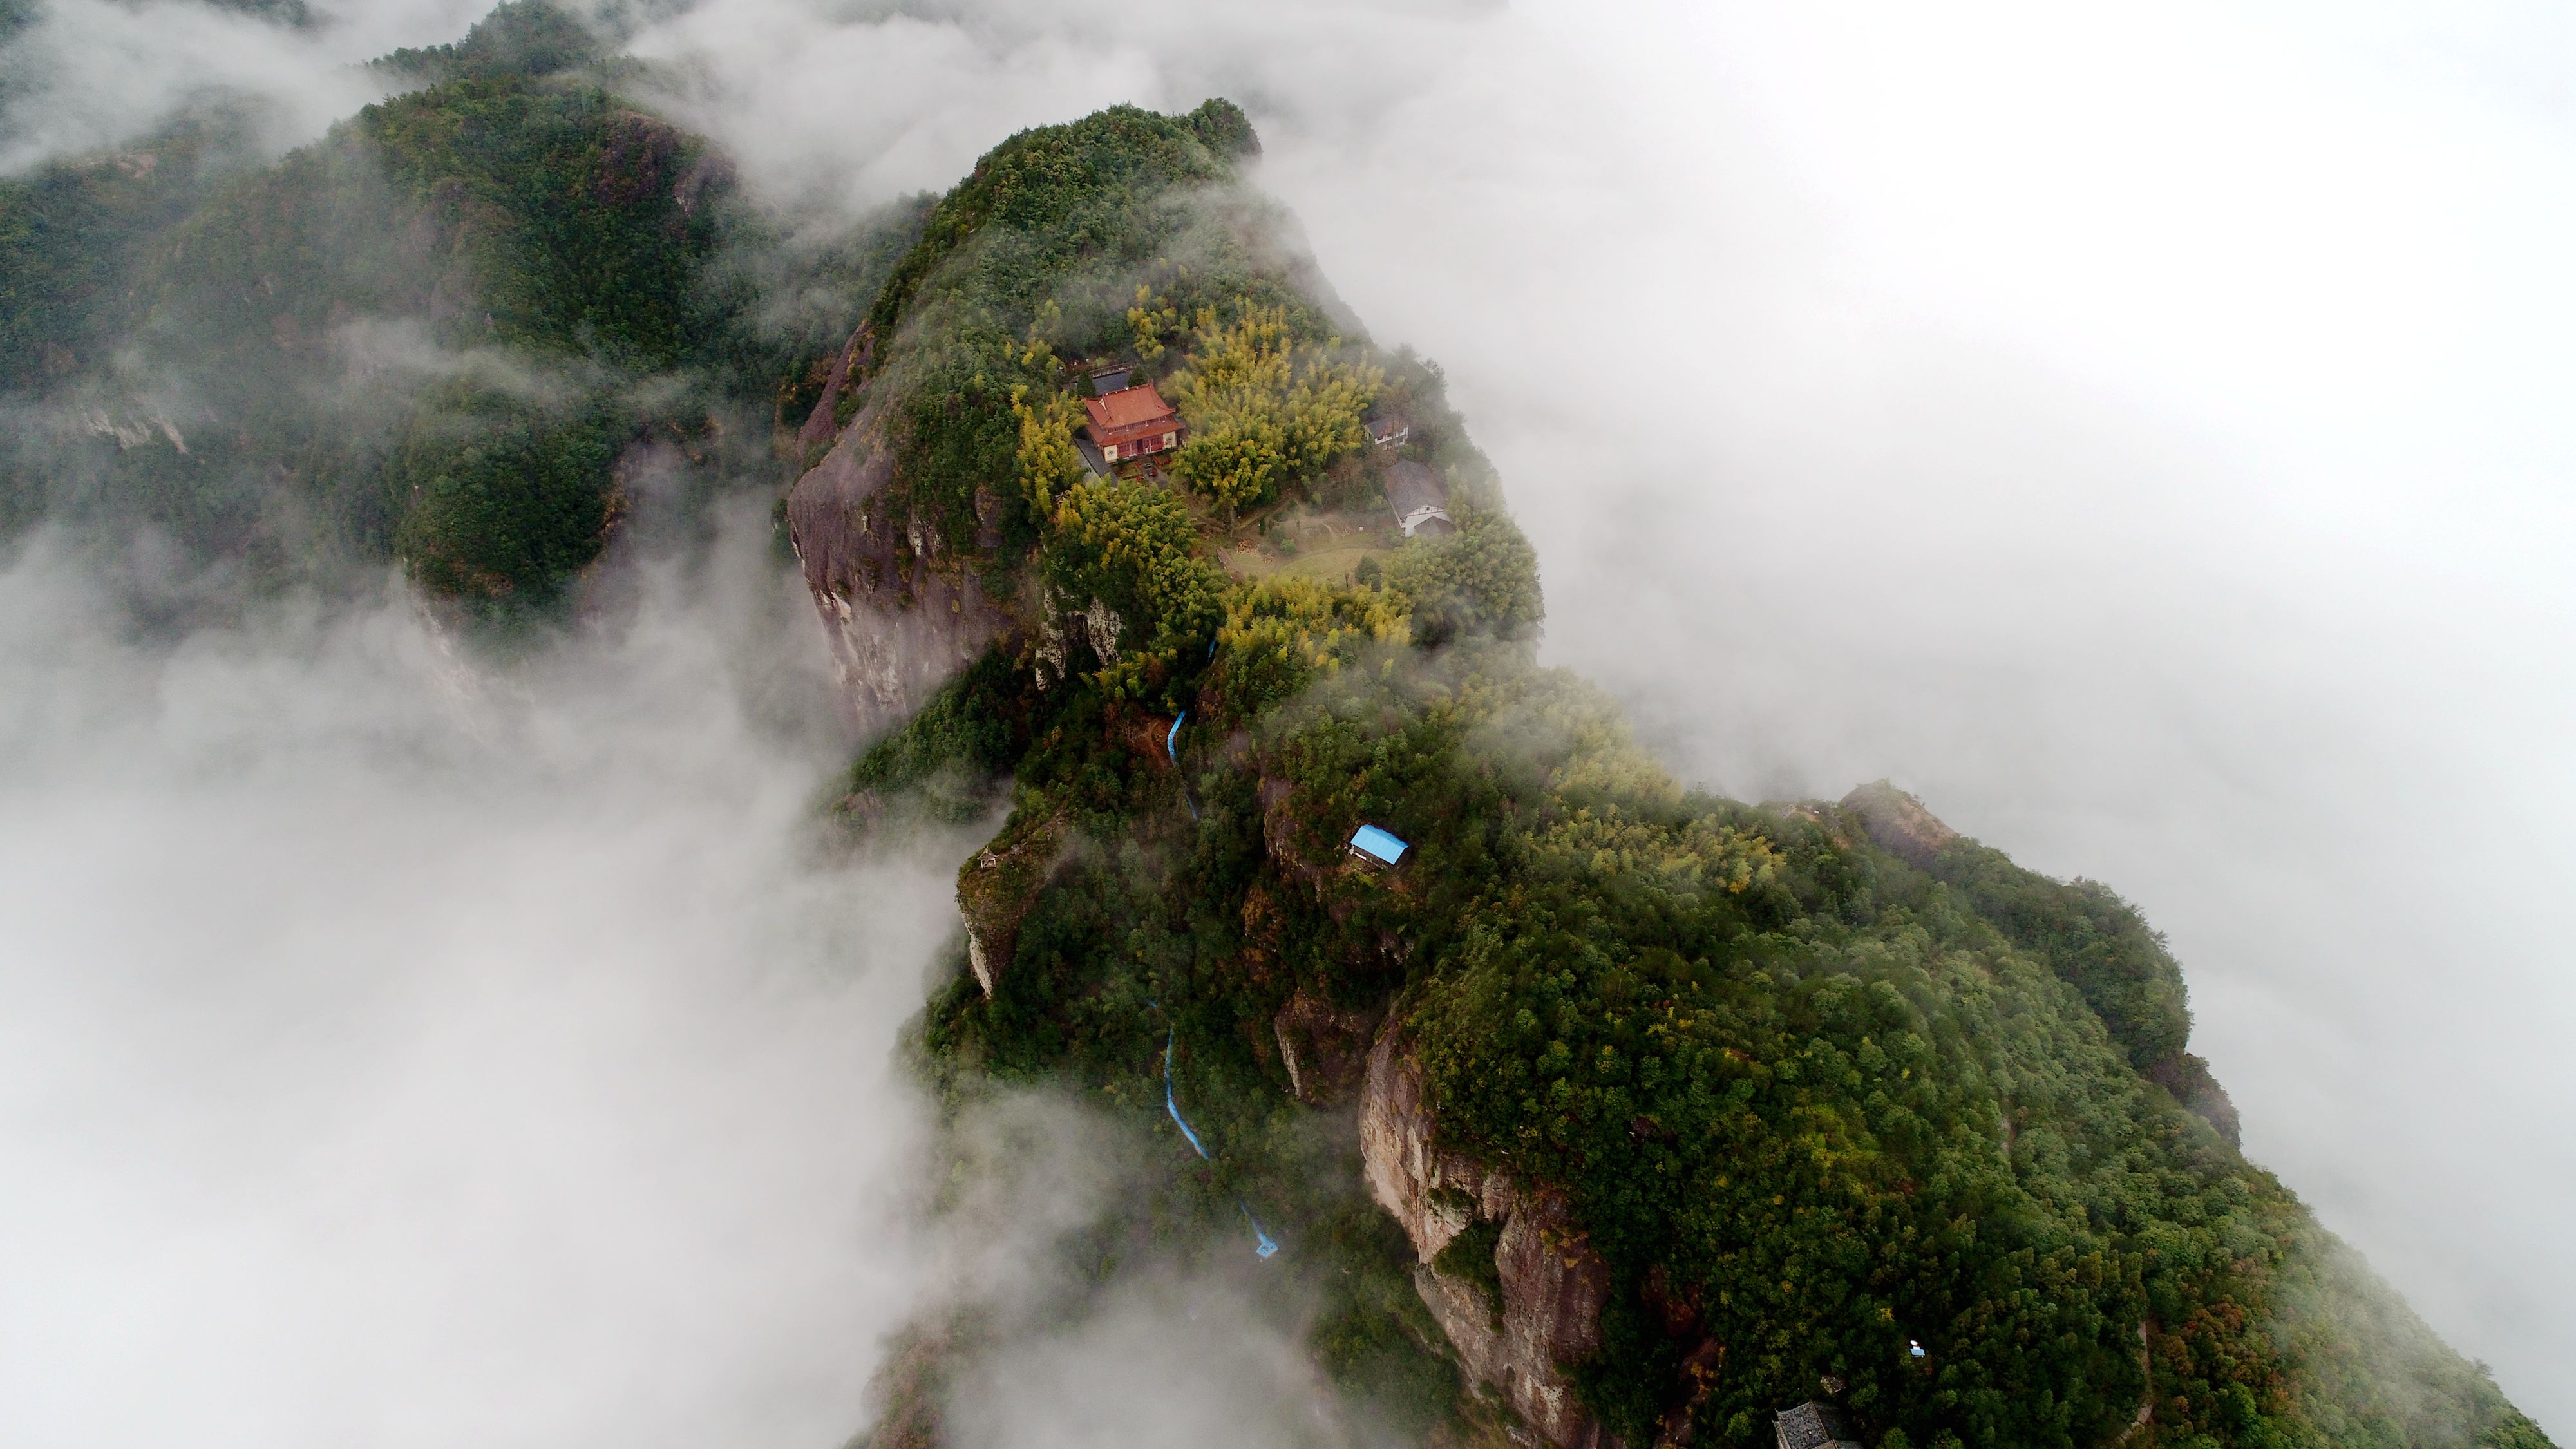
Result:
{"points": [[1553, 1284], [1899, 824], [900, 611]]}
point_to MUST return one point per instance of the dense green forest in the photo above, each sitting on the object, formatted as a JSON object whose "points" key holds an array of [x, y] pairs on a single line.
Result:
{"points": [[504, 272], [1814, 1104], [1917, 1130]]}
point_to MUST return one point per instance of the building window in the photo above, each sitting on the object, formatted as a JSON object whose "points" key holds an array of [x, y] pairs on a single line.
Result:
{"points": [[1167, 439], [1110, 453]]}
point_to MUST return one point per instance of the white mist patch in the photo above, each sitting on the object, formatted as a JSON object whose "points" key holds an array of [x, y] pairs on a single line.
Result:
{"points": [[392, 1056], [1174, 1346], [89, 75], [2140, 437], [1166, 1363]]}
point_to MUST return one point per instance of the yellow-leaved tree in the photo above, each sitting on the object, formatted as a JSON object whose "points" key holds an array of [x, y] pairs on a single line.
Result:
{"points": [[1152, 319], [1283, 630], [1263, 409], [1134, 548], [1049, 463]]}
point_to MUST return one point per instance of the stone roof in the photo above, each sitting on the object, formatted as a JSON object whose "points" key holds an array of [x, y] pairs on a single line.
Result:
{"points": [[1811, 1425], [1412, 486]]}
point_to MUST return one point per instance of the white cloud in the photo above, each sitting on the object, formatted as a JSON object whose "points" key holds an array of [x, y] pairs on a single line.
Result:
{"points": [[2137, 437], [1159, 1361], [95, 74], [395, 1050], [393, 1054]]}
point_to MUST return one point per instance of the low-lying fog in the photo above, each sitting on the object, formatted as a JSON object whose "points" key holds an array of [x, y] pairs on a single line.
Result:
{"points": [[389, 1059], [2146, 438], [400, 1053]]}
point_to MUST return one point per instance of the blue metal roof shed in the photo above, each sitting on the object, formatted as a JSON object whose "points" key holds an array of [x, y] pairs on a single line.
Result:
{"points": [[1377, 846]]}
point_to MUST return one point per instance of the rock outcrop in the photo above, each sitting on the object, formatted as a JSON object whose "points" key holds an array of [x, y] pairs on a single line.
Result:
{"points": [[997, 889], [1325, 1048], [1552, 1285], [1279, 830], [901, 612], [1898, 824], [846, 367]]}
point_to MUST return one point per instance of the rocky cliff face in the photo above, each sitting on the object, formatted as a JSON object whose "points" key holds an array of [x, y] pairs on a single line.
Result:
{"points": [[1898, 823], [1325, 1048], [1551, 1283], [997, 889], [902, 613]]}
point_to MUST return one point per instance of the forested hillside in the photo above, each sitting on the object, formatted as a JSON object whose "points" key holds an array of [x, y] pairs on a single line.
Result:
{"points": [[1612, 1111], [430, 336], [1810, 1104]]}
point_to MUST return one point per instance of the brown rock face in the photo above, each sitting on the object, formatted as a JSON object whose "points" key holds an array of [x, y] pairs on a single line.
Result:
{"points": [[854, 356], [1325, 1049], [901, 613], [1279, 831], [1899, 824], [1553, 1285], [997, 889]]}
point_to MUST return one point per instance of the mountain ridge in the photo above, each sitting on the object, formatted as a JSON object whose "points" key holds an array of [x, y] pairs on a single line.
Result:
{"points": [[1846, 924]]}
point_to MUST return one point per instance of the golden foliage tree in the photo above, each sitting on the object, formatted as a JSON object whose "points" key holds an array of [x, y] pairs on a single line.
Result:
{"points": [[1283, 630], [1048, 462], [1263, 409], [1134, 547]]}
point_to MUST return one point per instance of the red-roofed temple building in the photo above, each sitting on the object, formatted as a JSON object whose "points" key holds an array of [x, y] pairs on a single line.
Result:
{"points": [[1133, 422]]}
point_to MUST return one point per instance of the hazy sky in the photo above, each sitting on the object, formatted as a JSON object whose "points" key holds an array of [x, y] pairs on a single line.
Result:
{"points": [[2144, 435]]}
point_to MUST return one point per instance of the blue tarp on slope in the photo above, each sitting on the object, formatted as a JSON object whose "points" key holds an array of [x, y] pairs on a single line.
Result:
{"points": [[1262, 1247]]}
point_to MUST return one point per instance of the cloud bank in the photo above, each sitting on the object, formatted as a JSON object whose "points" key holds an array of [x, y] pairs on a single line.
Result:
{"points": [[394, 1054], [400, 1050], [90, 75]]}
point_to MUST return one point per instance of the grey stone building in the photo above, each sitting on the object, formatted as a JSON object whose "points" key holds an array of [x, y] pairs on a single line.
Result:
{"points": [[1811, 1425]]}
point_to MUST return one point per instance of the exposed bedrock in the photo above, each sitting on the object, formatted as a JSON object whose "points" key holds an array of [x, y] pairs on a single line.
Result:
{"points": [[1552, 1284], [998, 888], [1899, 824], [901, 612], [1324, 1047]]}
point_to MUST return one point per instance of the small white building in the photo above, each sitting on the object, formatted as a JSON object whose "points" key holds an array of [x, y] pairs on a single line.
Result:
{"points": [[1419, 502]]}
